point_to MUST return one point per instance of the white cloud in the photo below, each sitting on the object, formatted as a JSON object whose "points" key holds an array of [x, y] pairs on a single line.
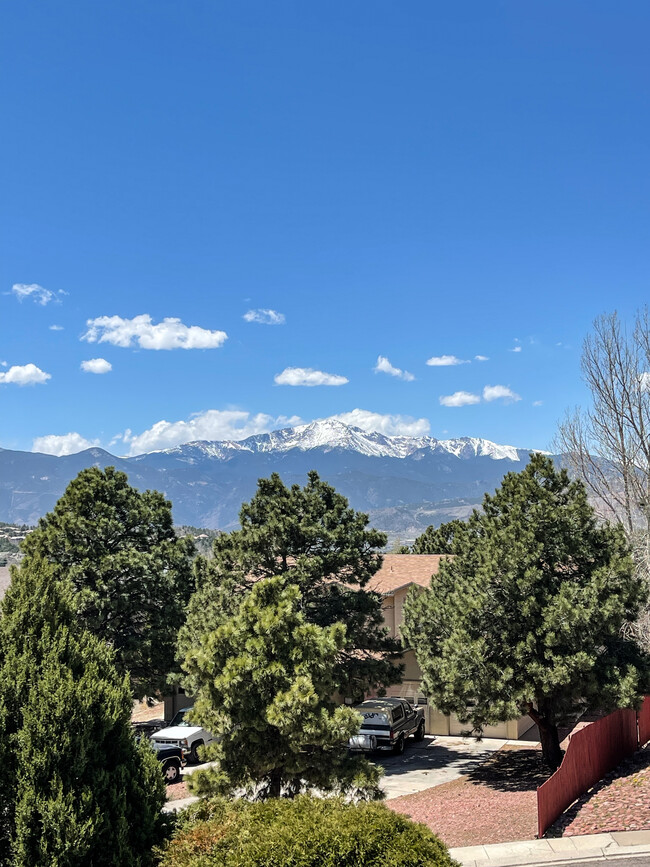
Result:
{"points": [[213, 424], [482, 357], [56, 327], [538, 402], [644, 381], [96, 365], [459, 398], [515, 349], [384, 366], [390, 425], [65, 444], [500, 392], [171, 333], [26, 374], [307, 376], [265, 317], [445, 361], [37, 293]]}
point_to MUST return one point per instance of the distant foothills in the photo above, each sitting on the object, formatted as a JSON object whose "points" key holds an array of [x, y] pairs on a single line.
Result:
{"points": [[404, 483]]}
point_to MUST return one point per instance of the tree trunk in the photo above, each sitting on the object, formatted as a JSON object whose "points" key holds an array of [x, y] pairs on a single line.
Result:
{"points": [[548, 734], [551, 752], [275, 788]]}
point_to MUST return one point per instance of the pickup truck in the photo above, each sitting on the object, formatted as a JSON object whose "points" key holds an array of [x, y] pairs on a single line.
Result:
{"points": [[387, 722], [172, 761], [181, 733]]}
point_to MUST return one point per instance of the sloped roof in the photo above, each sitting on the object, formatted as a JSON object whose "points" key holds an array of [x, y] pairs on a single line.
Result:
{"points": [[400, 570]]}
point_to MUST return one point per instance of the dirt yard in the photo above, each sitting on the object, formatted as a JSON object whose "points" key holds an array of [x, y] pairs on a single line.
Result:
{"points": [[495, 803]]}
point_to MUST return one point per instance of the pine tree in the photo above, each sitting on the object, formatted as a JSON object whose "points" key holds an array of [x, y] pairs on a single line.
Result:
{"points": [[439, 540], [77, 788], [526, 616], [265, 679], [311, 536], [118, 548]]}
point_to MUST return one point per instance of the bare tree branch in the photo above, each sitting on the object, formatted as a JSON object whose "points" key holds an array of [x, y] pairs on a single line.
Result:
{"points": [[608, 444]]}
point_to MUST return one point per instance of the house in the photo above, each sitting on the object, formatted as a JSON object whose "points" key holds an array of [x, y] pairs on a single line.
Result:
{"points": [[400, 572]]}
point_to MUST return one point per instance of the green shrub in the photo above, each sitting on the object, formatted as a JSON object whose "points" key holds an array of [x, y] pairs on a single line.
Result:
{"points": [[304, 832]]}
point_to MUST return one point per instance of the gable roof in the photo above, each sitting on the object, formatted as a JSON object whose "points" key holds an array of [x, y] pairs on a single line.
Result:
{"points": [[400, 570]]}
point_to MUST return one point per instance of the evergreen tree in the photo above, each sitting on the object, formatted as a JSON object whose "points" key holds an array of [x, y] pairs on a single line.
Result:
{"points": [[133, 575], [311, 536], [439, 540], [526, 616], [265, 679], [78, 789]]}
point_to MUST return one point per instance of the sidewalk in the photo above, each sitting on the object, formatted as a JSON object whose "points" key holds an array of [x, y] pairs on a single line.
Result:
{"points": [[560, 850], [181, 803]]}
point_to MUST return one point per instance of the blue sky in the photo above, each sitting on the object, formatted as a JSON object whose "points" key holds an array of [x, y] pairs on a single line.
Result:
{"points": [[397, 181]]}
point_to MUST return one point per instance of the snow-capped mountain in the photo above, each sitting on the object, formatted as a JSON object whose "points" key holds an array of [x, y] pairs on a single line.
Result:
{"points": [[330, 433], [404, 483]]}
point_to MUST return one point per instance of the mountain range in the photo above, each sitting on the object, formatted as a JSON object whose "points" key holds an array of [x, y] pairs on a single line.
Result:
{"points": [[404, 483]]}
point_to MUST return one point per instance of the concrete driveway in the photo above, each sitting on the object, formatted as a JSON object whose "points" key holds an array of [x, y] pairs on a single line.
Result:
{"points": [[433, 761]]}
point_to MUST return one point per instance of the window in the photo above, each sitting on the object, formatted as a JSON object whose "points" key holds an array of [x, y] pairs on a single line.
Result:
{"points": [[398, 713]]}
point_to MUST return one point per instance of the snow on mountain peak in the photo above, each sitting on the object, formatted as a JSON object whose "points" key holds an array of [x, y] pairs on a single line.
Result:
{"points": [[466, 447], [331, 433]]}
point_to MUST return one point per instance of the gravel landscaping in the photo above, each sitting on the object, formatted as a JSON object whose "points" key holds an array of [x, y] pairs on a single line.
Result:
{"points": [[494, 803], [177, 791]]}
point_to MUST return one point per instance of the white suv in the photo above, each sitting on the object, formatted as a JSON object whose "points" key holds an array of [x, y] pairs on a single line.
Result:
{"points": [[181, 733]]}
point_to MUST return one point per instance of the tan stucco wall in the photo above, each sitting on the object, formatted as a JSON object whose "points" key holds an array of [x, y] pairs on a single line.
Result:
{"points": [[175, 701], [411, 667]]}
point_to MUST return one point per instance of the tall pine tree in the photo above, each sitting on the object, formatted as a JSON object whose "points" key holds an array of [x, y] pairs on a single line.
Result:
{"points": [[312, 537], [526, 616], [134, 577], [265, 679], [77, 788]]}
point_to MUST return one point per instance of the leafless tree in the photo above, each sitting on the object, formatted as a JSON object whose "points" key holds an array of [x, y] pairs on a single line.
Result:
{"points": [[608, 444]]}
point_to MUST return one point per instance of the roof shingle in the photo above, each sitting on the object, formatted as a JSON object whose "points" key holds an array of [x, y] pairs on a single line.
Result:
{"points": [[399, 570]]}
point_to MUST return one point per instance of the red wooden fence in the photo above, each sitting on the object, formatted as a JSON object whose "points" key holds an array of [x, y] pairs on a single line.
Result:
{"points": [[592, 752], [643, 718]]}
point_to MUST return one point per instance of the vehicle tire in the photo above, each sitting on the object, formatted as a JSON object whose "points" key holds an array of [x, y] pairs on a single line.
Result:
{"points": [[419, 735], [172, 772], [194, 755], [398, 749]]}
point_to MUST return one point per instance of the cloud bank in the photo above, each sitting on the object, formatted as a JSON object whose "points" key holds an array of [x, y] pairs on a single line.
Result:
{"points": [[26, 374], [500, 392], [490, 393], [140, 331], [459, 398], [64, 444], [445, 361], [96, 365], [390, 425], [307, 376], [212, 424]]}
